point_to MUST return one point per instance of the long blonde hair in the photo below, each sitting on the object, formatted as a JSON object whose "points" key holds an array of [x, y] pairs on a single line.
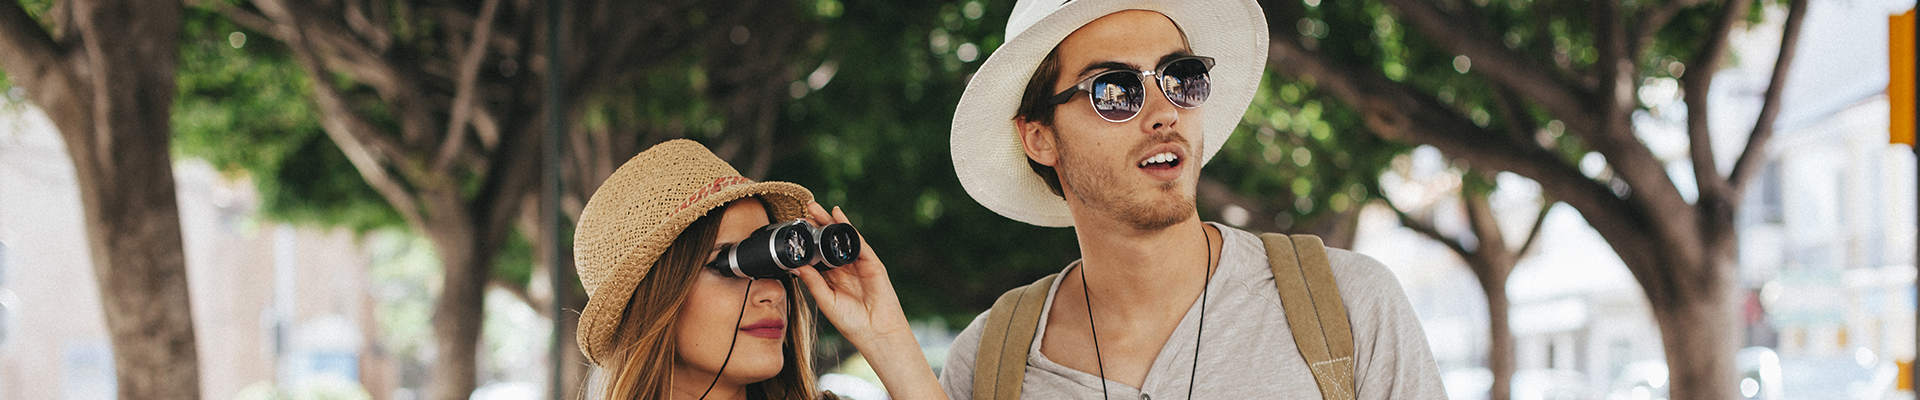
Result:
{"points": [[645, 336]]}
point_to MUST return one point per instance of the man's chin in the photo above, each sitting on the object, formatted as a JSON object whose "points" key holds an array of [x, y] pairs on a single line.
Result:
{"points": [[1160, 215]]}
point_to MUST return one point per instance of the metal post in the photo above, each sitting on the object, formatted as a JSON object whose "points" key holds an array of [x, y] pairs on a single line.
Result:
{"points": [[550, 195]]}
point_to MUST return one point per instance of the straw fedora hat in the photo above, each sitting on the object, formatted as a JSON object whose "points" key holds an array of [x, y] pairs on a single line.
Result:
{"points": [[639, 211], [987, 153]]}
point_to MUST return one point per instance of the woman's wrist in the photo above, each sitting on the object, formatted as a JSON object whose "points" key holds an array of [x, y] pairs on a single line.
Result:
{"points": [[901, 365]]}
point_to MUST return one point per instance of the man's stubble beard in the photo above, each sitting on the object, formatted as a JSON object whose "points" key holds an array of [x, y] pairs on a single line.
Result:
{"points": [[1099, 189]]}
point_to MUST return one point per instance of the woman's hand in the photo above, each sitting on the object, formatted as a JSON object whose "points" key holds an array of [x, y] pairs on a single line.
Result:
{"points": [[859, 299]]}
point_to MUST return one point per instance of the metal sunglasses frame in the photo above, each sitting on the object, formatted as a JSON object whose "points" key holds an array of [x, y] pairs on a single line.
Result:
{"points": [[1086, 85]]}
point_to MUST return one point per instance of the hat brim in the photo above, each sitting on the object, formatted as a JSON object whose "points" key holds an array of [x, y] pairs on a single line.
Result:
{"points": [[600, 320], [987, 153]]}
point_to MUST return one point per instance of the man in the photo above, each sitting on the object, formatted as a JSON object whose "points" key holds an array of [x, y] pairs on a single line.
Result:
{"points": [[1114, 106]]}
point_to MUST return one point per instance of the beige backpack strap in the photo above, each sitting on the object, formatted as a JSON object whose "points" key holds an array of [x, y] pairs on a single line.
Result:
{"points": [[1314, 310], [1001, 364]]}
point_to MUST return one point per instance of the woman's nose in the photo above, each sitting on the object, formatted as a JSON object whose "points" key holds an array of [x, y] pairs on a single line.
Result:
{"points": [[772, 291]]}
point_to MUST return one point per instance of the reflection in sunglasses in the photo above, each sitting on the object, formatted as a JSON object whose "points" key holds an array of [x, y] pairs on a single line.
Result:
{"points": [[1118, 95]]}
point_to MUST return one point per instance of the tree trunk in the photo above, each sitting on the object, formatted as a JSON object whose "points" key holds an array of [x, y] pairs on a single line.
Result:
{"points": [[1701, 335], [108, 85], [1500, 360], [459, 310], [573, 363]]}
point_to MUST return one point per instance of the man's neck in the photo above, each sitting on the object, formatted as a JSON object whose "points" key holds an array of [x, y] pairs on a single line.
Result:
{"points": [[1129, 270]]}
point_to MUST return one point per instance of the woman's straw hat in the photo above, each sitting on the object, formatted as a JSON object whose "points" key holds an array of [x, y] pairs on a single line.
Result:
{"points": [[639, 211], [987, 153]]}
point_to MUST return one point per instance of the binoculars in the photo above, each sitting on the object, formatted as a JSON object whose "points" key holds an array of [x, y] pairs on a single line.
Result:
{"points": [[775, 250]]}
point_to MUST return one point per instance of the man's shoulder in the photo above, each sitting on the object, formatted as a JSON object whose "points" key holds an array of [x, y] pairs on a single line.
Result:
{"points": [[1361, 279], [971, 334], [1349, 268], [956, 376]]}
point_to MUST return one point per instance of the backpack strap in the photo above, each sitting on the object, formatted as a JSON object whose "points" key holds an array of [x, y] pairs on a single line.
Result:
{"points": [[1001, 365], [1315, 314], [1314, 310]]}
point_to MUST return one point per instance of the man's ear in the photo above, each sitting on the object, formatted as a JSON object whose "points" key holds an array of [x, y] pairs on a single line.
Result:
{"points": [[1038, 140]]}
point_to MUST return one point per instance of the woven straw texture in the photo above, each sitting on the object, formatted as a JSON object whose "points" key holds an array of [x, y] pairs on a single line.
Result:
{"points": [[987, 153], [639, 211]]}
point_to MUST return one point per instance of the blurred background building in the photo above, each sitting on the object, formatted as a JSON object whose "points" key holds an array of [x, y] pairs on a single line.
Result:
{"points": [[305, 321]]}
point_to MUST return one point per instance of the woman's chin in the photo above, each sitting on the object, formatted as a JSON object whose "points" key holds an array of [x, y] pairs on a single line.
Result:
{"points": [[752, 370]]}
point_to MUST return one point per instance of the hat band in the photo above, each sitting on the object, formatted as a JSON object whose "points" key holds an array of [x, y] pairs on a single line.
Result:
{"points": [[716, 186]]}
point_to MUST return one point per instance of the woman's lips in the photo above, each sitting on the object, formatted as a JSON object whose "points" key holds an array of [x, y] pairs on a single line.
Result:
{"points": [[770, 328]]}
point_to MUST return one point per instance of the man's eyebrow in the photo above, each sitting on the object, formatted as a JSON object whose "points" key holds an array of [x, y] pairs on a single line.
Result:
{"points": [[1103, 66], [1171, 56], [1111, 65]]}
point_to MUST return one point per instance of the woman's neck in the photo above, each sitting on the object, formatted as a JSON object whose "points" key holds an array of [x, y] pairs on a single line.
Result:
{"points": [[690, 385]]}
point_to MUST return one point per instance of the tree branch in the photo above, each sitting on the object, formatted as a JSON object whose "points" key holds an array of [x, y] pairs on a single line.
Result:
{"points": [[1491, 257], [1399, 112], [1616, 65], [1533, 234], [246, 19], [1426, 229], [27, 52], [1744, 168], [356, 137], [1651, 20], [372, 30], [1705, 65], [1614, 136], [1486, 228], [334, 44], [1518, 119], [512, 173], [465, 86], [1563, 98]]}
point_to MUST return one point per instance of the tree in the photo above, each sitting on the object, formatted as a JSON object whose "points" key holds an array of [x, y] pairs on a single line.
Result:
{"points": [[103, 72], [1288, 170], [435, 107], [1578, 64], [1484, 246]]}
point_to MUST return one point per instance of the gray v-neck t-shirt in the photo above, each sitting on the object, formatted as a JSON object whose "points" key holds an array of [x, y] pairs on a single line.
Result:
{"points": [[1248, 350]]}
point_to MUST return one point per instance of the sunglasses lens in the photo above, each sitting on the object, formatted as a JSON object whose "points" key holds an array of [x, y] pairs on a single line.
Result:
{"points": [[1117, 96], [1186, 83]]}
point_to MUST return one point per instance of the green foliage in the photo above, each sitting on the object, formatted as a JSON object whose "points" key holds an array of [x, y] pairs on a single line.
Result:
{"points": [[877, 143], [1297, 149], [514, 262], [38, 10], [244, 106], [1553, 33]]}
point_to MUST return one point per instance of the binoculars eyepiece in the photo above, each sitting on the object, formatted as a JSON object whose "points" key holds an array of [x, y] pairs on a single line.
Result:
{"points": [[775, 250]]}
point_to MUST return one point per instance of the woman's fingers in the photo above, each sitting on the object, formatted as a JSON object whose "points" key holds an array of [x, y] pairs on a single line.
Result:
{"points": [[866, 251], [818, 215], [822, 292], [839, 216]]}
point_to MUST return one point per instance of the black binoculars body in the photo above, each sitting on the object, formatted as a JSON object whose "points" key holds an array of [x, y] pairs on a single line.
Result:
{"points": [[775, 250]]}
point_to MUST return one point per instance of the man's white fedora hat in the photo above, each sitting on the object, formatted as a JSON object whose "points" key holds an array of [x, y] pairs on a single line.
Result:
{"points": [[987, 153]]}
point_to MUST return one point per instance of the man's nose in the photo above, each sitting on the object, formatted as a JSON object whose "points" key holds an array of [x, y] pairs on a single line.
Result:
{"points": [[1157, 114]]}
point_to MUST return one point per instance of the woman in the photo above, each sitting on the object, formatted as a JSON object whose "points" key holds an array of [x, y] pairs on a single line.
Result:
{"points": [[660, 324]]}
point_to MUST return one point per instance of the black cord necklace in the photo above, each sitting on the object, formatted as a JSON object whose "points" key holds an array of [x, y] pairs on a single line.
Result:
{"points": [[1204, 286], [736, 338]]}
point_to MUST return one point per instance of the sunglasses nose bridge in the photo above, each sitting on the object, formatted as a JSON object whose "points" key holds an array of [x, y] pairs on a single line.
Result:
{"points": [[1154, 87]]}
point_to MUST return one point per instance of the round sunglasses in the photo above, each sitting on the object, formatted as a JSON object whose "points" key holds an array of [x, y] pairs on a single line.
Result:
{"points": [[1117, 95]]}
